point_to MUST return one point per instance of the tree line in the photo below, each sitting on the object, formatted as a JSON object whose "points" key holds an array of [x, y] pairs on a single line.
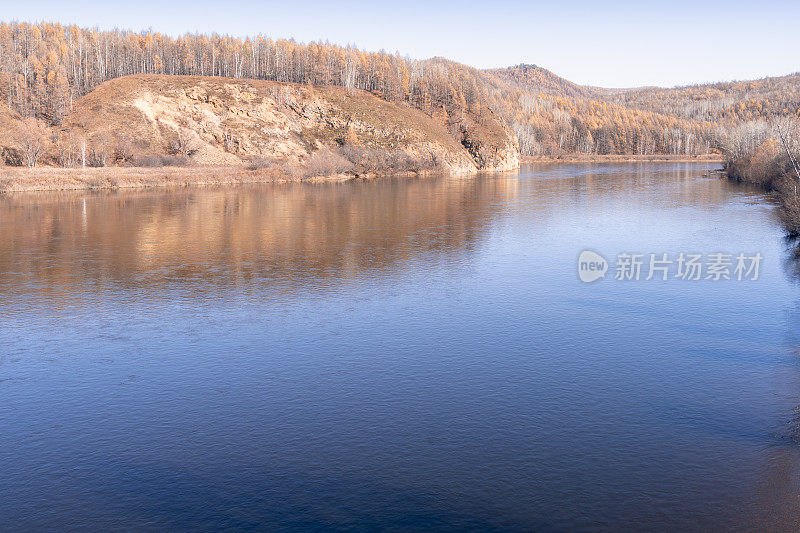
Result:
{"points": [[46, 67]]}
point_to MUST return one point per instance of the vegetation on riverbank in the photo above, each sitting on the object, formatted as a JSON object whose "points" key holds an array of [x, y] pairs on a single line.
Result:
{"points": [[23, 179], [320, 168], [156, 121], [75, 97], [624, 158], [766, 154]]}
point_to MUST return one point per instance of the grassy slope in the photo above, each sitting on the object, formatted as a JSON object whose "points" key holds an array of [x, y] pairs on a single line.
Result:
{"points": [[265, 127], [265, 118], [9, 122]]}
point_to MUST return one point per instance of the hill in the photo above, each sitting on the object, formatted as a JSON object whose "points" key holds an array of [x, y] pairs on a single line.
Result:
{"points": [[725, 103], [222, 121], [431, 107], [11, 127], [553, 117], [152, 120], [535, 79]]}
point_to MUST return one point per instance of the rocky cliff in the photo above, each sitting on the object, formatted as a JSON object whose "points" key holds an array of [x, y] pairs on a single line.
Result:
{"points": [[221, 121]]}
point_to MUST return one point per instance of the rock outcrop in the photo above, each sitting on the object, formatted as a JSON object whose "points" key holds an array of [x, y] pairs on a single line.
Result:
{"points": [[221, 121]]}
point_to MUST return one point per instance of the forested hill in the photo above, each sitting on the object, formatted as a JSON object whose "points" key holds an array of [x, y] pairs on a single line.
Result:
{"points": [[555, 116], [533, 78], [46, 68], [723, 103]]}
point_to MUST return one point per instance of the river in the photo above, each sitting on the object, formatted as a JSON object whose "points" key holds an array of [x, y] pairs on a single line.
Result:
{"points": [[405, 354]]}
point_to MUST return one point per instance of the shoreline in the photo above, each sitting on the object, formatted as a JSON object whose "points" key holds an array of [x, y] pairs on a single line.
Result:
{"points": [[41, 179], [782, 190], [619, 158]]}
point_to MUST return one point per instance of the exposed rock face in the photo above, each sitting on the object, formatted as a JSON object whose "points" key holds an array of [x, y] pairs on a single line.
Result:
{"points": [[491, 145], [507, 158], [496, 158], [220, 121]]}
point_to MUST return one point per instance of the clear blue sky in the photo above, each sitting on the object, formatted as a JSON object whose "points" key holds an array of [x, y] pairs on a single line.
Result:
{"points": [[605, 43]]}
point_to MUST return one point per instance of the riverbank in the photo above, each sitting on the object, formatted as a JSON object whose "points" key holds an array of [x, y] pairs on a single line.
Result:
{"points": [[23, 179], [767, 166], [617, 158], [783, 188]]}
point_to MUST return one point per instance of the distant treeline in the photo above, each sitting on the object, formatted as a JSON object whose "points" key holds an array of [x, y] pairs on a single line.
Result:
{"points": [[553, 115], [45, 67]]}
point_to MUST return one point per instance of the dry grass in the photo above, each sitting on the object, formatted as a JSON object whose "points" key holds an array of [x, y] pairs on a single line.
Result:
{"points": [[17, 179], [386, 125], [226, 121], [277, 130], [10, 123]]}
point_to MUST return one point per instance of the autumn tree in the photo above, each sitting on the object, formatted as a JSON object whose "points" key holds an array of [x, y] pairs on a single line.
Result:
{"points": [[32, 136], [45, 68]]}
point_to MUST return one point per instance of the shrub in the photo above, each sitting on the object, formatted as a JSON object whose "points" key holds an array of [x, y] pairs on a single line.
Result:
{"points": [[365, 159], [148, 161], [10, 156], [261, 163], [175, 160], [326, 162], [154, 161], [96, 158], [124, 151]]}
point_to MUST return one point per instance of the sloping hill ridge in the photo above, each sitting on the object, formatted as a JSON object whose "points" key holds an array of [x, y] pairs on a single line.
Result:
{"points": [[406, 110], [536, 79], [722, 102], [10, 124], [225, 121]]}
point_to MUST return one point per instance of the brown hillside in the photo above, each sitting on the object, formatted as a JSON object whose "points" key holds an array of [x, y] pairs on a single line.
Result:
{"points": [[9, 125], [536, 79], [225, 121], [55, 66]]}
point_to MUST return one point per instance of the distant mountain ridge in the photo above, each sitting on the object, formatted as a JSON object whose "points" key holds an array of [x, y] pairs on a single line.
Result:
{"points": [[538, 79], [732, 100], [555, 116]]}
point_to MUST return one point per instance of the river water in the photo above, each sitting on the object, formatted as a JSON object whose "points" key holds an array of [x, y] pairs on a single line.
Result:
{"points": [[404, 354]]}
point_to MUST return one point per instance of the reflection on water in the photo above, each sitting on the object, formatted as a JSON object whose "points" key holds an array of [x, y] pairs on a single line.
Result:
{"points": [[283, 233], [402, 354], [288, 232]]}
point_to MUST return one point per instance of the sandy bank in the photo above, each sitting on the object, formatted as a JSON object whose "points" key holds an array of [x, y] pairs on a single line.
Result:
{"points": [[20, 179]]}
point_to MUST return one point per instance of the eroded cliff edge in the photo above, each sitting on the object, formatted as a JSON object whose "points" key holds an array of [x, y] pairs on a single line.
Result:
{"points": [[151, 120]]}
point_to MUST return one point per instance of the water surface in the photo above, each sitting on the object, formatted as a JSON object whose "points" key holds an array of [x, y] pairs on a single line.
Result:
{"points": [[396, 354]]}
